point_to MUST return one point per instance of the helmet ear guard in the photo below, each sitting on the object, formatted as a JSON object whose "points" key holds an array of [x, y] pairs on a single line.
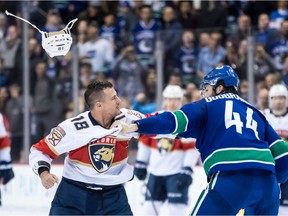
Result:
{"points": [[54, 43]]}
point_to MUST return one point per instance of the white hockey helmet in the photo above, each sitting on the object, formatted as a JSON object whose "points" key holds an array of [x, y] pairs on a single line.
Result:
{"points": [[173, 91], [54, 43], [278, 90]]}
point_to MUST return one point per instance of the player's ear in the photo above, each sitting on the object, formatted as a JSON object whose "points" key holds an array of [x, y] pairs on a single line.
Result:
{"points": [[219, 89], [98, 104]]}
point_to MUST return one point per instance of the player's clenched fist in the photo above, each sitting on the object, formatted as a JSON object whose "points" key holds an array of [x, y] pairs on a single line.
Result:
{"points": [[48, 180]]}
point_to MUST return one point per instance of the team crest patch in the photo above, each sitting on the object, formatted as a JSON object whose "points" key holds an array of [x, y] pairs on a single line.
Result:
{"points": [[101, 156], [56, 135], [164, 145]]}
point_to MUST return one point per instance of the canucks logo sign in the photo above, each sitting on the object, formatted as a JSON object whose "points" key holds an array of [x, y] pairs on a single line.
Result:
{"points": [[101, 156]]}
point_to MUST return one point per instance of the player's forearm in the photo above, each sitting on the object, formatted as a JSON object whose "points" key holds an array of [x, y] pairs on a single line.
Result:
{"points": [[163, 123]]}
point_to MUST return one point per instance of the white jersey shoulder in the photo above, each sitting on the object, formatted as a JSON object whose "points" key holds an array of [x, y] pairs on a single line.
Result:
{"points": [[3, 131], [77, 132]]}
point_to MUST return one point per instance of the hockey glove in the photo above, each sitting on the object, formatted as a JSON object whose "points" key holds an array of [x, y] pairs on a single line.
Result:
{"points": [[184, 178], [7, 175], [140, 170]]}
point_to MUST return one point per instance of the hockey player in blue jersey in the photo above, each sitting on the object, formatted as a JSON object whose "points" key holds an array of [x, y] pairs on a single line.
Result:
{"points": [[243, 157]]}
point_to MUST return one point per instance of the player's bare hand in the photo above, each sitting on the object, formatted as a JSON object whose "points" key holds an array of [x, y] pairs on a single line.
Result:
{"points": [[48, 180], [127, 128]]}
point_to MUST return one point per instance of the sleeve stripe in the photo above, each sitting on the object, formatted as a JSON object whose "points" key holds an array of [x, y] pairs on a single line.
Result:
{"points": [[181, 121]]}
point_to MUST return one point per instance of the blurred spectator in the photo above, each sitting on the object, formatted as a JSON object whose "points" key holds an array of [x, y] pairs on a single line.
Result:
{"points": [[263, 63], [53, 22], [3, 26], [210, 55], [175, 79], [82, 31], [271, 79], [53, 68], [85, 75], [8, 51], [129, 73], [243, 31], [14, 113], [141, 104], [262, 99], [212, 17], [4, 78], [231, 56], [170, 34], [196, 95], [3, 98], [204, 39], [280, 47], [111, 31], [186, 58], [43, 101], [145, 102], [93, 13], [243, 89], [98, 51], [144, 34], [265, 34], [186, 15], [242, 59], [284, 71], [150, 85], [254, 8], [129, 15], [281, 13]]}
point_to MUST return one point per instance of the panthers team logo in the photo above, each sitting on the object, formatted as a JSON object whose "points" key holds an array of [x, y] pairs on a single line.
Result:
{"points": [[101, 156], [164, 145]]}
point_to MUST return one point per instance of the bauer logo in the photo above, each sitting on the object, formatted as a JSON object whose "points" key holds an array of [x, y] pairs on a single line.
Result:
{"points": [[101, 156]]}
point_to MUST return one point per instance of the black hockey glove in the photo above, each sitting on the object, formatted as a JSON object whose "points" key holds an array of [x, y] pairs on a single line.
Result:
{"points": [[7, 175], [184, 178], [140, 170]]}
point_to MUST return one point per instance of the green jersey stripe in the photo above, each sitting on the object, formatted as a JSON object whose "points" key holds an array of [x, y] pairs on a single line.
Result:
{"points": [[181, 121], [238, 155], [279, 148]]}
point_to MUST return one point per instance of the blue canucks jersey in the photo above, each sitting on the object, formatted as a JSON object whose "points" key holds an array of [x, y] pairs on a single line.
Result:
{"points": [[110, 33], [145, 37], [186, 61], [231, 134]]}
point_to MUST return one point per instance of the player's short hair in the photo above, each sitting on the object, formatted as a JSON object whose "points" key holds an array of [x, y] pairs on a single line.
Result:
{"points": [[94, 92]]}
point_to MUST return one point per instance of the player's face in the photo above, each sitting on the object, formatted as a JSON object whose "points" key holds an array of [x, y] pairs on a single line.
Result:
{"points": [[111, 102], [278, 103], [172, 104], [207, 91]]}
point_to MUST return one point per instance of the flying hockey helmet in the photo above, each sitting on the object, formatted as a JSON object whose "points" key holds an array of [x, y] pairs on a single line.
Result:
{"points": [[54, 43]]}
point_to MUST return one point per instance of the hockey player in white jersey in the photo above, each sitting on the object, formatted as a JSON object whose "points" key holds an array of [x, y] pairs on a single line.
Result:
{"points": [[6, 171], [170, 161], [277, 116], [95, 167]]}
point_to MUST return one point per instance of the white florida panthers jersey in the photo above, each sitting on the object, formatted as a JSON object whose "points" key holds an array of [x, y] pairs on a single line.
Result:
{"points": [[96, 155], [279, 123]]}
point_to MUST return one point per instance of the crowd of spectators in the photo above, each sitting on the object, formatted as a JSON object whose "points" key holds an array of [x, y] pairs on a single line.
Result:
{"points": [[116, 41]]}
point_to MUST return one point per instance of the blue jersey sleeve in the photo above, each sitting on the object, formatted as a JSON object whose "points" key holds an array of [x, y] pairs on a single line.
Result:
{"points": [[190, 116], [163, 123]]}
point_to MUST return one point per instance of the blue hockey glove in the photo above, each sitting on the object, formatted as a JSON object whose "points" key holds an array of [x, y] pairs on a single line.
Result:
{"points": [[184, 178], [140, 170]]}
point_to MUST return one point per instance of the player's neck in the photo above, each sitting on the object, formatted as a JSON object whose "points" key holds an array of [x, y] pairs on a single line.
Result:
{"points": [[102, 120], [279, 112]]}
